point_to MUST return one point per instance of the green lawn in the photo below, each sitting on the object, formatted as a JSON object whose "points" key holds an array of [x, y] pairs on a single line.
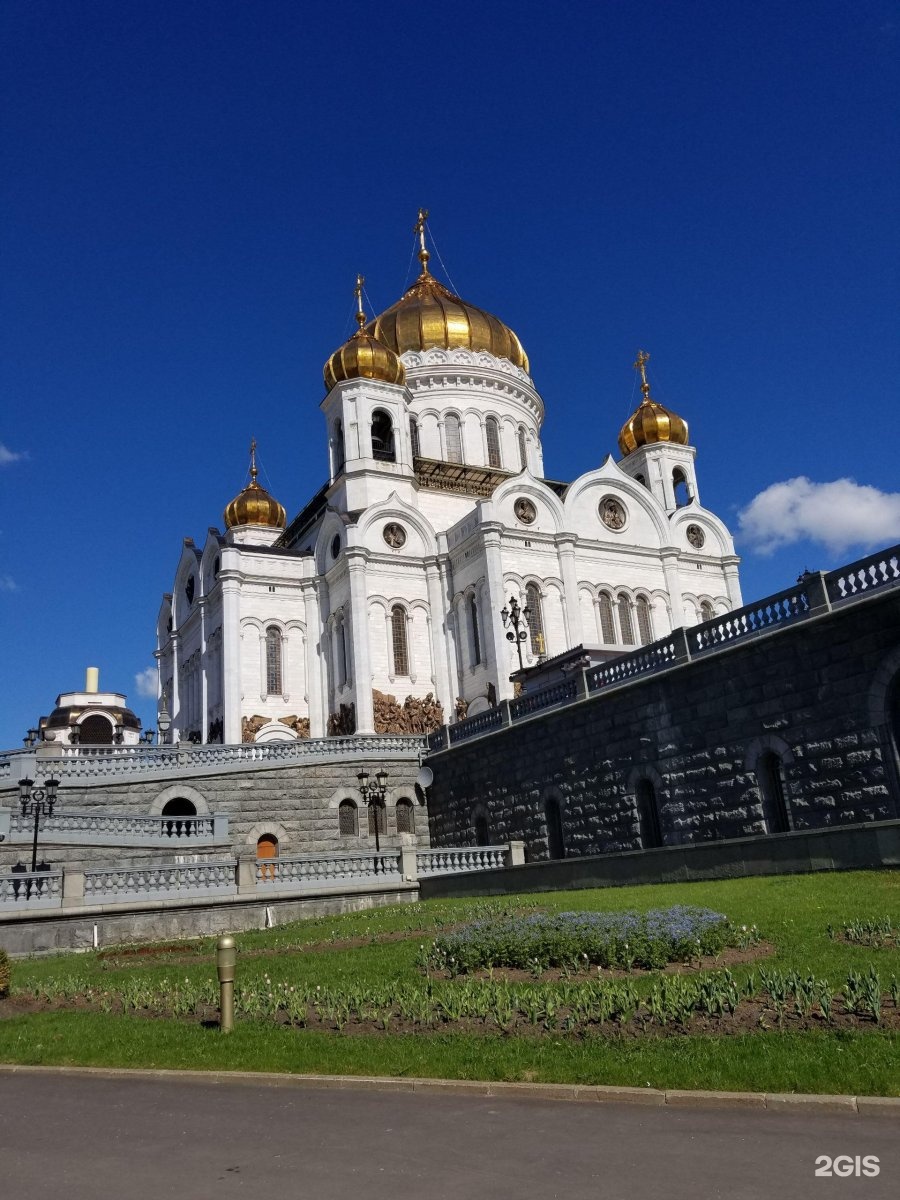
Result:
{"points": [[792, 912]]}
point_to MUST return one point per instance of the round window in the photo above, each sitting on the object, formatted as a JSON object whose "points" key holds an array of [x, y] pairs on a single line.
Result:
{"points": [[335, 545]]}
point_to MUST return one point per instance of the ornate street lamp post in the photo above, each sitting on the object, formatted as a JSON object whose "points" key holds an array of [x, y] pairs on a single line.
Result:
{"points": [[37, 802], [373, 797], [515, 620], [163, 720]]}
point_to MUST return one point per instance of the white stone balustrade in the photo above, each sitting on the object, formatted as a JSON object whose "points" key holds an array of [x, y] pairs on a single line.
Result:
{"points": [[100, 828], [41, 889], [453, 860], [208, 878], [327, 870]]}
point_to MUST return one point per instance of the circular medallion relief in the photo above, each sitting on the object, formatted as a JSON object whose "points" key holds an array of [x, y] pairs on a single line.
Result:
{"points": [[612, 513], [695, 536], [394, 535], [335, 545], [525, 510]]}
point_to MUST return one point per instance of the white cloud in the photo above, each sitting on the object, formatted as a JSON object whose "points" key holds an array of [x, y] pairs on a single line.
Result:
{"points": [[8, 456], [145, 682], [8, 584], [837, 515]]}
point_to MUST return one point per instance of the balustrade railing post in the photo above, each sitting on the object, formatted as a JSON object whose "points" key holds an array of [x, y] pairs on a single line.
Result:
{"points": [[816, 592], [246, 873], [505, 713], [409, 864], [72, 889], [220, 827], [682, 644], [515, 854]]}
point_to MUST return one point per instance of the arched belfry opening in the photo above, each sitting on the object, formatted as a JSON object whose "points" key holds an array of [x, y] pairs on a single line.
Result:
{"points": [[382, 437], [95, 731]]}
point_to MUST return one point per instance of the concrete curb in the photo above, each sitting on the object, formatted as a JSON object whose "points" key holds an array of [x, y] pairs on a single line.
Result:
{"points": [[787, 1102]]}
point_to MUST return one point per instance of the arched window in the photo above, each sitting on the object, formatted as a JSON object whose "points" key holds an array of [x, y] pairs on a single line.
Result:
{"points": [[556, 843], [607, 624], [414, 437], [347, 819], [453, 434], [523, 449], [95, 731], [492, 433], [648, 814], [398, 640], [482, 833], [680, 487], [535, 620], [377, 816], [406, 822], [641, 479], [267, 848], [476, 635], [382, 437], [342, 652], [626, 625], [770, 776], [706, 611], [273, 661], [645, 625], [175, 808], [339, 452]]}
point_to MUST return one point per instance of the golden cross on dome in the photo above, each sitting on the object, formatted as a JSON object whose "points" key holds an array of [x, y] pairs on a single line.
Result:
{"points": [[253, 470], [358, 291], [640, 364], [419, 228]]}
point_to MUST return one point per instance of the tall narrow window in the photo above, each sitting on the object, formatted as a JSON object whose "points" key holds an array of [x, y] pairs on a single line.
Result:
{"points": [[535, 619], [645, 626], [523, 449], [414, 437], [648, 814], [405, 818], [706, 611], [556, 843], [339, 452], [607, 624], [770, 775], [377, 819], [342, 652], [626, 625], [680, 487], [482, 833], [382, 437], [348, 825], [398, 639], [476, 635], [273, 661], [492, 433], [454, 438]]}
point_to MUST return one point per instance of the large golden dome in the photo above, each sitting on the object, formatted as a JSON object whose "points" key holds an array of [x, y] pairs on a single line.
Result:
{"points": [[429, 315], [254, 505], [650, 422]]}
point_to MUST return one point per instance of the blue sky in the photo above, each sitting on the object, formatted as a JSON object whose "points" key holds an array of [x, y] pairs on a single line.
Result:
{"points": [[190, 188]]}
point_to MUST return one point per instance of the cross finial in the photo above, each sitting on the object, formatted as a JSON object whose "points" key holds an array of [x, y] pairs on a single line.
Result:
{"points": [[419, 228], [358, 291], [253, 470], [640, 364]]}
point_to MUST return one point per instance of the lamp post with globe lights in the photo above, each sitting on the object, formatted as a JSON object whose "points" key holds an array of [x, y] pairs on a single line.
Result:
{"points": [[373, 795], [515, 621]]}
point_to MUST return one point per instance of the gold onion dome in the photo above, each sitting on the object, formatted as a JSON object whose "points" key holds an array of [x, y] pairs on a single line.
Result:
{"points": [[650, 422], [254, 505], [363, 356], [429, 315]]}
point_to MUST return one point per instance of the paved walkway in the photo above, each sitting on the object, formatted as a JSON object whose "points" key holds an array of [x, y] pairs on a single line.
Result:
{"points": [[143, 1139]]}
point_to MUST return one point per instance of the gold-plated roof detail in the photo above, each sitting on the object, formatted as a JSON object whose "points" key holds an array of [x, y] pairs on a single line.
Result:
{"points": [[254, 505], [650, 422], [429, 315], [363, 356]]}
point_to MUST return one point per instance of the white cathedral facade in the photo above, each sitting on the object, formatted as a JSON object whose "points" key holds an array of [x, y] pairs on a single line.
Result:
{"points": [[378, 607]]}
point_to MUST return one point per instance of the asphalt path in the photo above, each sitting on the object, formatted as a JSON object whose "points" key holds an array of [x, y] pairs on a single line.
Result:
{"points": [[89, 1138]]}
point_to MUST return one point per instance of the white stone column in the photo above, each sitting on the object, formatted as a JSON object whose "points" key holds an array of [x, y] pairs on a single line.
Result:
{"points": [[732, 582], [439, 655], [489, 612], [359, 627], [571, 605], [231, 661], [673, 587], [175, 698], [317, 713]]}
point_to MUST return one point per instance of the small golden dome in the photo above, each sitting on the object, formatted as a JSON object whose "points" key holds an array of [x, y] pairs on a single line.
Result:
{"points": [[363, 356], [429, 315], [651, 422], [254, 505]]}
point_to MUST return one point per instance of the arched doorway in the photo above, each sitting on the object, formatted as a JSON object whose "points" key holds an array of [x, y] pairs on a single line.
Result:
{"points": [[482, 833], [648, 814], [95, 731], [175, 809], [556, 843], [773, 790], [266, 850], [406, 822]]}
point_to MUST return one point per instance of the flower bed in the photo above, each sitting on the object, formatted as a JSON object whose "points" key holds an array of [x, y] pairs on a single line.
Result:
{"points": [[580, 940]]}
